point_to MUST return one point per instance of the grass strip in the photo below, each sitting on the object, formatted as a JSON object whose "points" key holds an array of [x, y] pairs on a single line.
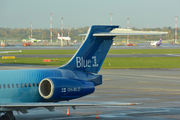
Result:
{"points": [[36, 61], [110, 63], [142, 62]]}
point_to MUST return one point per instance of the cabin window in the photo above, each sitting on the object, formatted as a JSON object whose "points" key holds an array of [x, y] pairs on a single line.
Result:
{"points": [[25, 85], [21, 85], [17, 85], [37, 84], [8, 85], [33, 84], [0, 86], [12, 85], [4, 86], [29, 84]]}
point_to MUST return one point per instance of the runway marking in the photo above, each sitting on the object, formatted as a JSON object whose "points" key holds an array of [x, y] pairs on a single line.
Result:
{"points": [[173, 55]]}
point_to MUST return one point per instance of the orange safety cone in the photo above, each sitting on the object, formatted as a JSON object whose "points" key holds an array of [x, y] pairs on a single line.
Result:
{"points": [[97, 116], [68, 113]]}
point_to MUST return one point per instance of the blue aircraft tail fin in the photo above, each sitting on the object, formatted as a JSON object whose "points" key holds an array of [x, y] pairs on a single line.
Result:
{"points": [[91, 55]]}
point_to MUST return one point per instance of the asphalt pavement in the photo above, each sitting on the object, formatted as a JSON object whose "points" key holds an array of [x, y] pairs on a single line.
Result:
{"points": [[158, 89]]}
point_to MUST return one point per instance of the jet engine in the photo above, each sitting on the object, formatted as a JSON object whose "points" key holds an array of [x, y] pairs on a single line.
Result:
{"points": [[59, 88]]}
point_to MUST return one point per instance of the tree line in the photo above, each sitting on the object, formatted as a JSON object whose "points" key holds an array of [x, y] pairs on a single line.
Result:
{"points": [[24, 33]]}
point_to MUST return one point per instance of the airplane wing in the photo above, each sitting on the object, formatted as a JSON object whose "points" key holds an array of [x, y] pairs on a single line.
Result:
{"points": [[22, 107], [9, 51], [119, 31]]}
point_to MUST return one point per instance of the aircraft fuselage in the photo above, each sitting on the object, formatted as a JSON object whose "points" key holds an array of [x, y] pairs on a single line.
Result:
{"points": [[23, 85]]}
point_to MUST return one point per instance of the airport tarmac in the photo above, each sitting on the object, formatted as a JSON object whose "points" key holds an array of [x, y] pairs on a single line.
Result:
{"points": [[76, 46], [158, 89]]}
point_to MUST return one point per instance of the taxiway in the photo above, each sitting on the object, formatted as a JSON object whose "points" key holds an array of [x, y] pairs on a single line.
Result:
{"points": [[158, 89]]}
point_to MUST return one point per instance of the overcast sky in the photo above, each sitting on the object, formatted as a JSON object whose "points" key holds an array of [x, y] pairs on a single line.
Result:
{"points": [[81, 13]]}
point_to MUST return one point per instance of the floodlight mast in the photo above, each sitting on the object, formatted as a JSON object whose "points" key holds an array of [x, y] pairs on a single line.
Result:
{"points": [[111, 18], [51, 27], [31, 30], [175, 41], [127, 28], [62, 31]]}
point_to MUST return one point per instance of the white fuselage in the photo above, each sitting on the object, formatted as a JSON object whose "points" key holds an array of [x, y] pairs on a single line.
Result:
{"points": [[64, 38], [153, 43]]}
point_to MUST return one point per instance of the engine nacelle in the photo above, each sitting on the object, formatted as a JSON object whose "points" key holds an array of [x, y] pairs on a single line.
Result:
{"points": [[59, 88]]}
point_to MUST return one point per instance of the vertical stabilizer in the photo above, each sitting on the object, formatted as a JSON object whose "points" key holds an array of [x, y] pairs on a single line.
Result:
{"points": [[159, 42], [91, 55]]}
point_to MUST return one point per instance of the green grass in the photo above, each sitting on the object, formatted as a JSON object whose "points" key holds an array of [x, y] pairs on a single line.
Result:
{"points": [[142, 62], [125, 62], [36, 61], [112, 51]]}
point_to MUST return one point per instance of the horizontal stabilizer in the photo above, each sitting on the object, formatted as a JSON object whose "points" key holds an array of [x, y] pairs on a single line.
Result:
{"points": [[119, 31]]}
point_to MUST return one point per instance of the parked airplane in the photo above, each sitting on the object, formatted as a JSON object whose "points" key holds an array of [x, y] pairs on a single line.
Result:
{"points": [[31, 40], [63, 38], [156, 43], [21, 90]]}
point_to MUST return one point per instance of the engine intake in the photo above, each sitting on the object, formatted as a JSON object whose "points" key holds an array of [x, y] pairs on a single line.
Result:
{"points": [[57, 89]]}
